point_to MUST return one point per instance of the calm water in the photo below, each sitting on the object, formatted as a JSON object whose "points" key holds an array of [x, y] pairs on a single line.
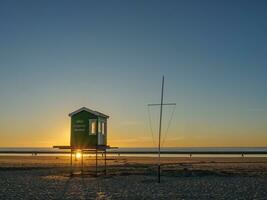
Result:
{"points": [[166, 149]]}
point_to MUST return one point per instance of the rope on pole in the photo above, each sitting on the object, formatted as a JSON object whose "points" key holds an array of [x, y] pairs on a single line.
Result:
{"points": [[150, 126], [169, 124]]}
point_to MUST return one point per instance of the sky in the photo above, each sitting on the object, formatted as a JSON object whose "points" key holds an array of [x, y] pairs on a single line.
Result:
{"points": [[57, 56]]}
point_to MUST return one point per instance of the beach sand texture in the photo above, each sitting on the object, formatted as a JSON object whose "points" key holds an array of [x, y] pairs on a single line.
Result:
{"points": [[49, 177]]}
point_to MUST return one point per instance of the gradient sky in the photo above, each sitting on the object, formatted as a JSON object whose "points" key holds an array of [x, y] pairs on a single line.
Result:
{"points": [[57, 56]]}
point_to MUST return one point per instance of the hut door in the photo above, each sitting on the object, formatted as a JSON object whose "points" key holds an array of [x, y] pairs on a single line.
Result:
{"points": [[100, 137]]}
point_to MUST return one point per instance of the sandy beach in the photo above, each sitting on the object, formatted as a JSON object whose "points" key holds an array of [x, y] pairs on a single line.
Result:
{"points": [[49, 177]]}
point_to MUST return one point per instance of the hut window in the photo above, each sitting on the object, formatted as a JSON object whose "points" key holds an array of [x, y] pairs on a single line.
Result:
{"points": [[92, 126], [103, 127], [99, 127]]}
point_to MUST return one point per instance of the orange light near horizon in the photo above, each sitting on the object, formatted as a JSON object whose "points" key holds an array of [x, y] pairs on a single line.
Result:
{"points": [[78, 155]]}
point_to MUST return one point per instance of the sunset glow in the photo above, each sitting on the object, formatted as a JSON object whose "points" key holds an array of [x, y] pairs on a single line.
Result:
{"points": [[78, 155], [52, 64]]}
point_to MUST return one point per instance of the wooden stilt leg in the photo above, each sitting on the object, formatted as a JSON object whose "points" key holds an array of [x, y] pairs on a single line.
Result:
{"points": [[82, 160], [71, 157], [96, 162], [105, 162], [75, 156], [71, 168]]}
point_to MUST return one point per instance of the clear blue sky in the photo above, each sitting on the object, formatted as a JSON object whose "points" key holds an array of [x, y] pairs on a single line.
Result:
{"points": [[56, 56]]}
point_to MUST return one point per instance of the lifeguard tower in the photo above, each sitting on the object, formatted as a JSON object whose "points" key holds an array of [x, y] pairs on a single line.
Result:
{"points": [[88, 128], [88, 134]]}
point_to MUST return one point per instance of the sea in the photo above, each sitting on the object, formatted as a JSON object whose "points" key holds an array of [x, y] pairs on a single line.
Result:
{"points": [[133, 150]]}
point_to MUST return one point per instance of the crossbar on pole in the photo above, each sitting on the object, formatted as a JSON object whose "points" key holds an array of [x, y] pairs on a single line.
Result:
{"points": [[164, 104]]}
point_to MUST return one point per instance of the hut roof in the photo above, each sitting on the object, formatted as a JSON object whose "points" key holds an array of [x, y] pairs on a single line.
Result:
{"points": [[99, 114]]}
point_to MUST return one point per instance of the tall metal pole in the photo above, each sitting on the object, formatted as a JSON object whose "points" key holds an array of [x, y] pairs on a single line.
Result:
{"points": [[160, 121]]}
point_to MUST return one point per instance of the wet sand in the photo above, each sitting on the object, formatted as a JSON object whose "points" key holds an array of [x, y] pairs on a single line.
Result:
{"points": [[51, 177]]}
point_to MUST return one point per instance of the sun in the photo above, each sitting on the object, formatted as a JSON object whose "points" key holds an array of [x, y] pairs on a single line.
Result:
{"points": [[78, 155]]}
